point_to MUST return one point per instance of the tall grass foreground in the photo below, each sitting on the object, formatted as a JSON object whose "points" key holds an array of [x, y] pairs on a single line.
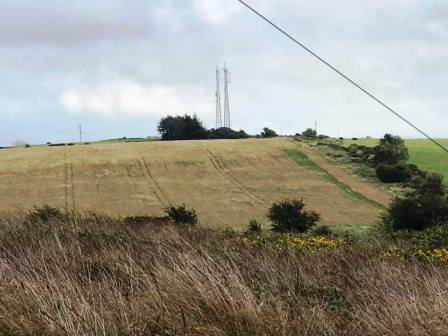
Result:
{"points": [[94, 275]]}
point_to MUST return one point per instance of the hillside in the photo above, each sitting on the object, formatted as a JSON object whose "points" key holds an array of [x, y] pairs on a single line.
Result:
{"points": [[227, 182]]}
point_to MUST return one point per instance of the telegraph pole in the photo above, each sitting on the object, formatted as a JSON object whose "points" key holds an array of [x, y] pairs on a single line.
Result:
{"points": [[80, 133]]}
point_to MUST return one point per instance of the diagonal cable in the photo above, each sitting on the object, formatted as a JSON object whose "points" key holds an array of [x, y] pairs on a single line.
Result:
{"points": [[340, 73]]}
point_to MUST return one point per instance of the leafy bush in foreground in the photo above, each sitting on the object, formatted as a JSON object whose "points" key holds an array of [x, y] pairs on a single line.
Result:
{"points": [[290, 216], [425, 207], [417, 212], [182, 215]]}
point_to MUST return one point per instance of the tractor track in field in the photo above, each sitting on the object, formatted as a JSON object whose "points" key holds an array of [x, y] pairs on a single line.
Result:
{"points": [[224, 171], [65, 181], [356, 184], [72, 182], [69, 181], [160, 194]]}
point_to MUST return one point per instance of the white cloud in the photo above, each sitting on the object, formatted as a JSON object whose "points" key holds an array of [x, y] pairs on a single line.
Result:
{"points": [[216, 12], [127, 98]]}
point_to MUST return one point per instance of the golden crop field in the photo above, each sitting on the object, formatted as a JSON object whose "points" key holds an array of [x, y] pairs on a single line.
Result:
{"points": [[228, 182]]}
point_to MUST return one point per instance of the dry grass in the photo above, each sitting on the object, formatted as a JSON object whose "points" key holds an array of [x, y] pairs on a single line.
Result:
{"points": [[90, 275], [227, 182]]}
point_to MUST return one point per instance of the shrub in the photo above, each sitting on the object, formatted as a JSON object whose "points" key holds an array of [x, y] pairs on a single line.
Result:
{"points": [[426, 182], [182, 215], [310, 133], [227, 133], [254, 226], [394, 173], [324, 231], [417, 212], [290, 216], [391, 150], [268, 133], [45, 213]]}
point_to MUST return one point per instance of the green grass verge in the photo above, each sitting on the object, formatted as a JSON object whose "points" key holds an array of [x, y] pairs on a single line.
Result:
{"points": [[304, 161]]}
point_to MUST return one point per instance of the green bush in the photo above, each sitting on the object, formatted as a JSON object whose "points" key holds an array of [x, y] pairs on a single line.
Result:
{"points": [[268, 133], [426, 182], [391, 150], [324, 231], [417, 212], [430, 238], [394, 173], [254, 226], [309, 133], [227, 133], [290, 216], [182, 215]]}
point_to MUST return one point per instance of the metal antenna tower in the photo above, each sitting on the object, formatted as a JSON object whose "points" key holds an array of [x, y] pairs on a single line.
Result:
{"points": [[218, 99], [226, 97]]}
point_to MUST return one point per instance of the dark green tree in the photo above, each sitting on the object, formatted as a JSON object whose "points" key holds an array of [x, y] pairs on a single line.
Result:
{"points": [[390, 150], [227, 133], [310, 133], [182, 128], [424, 207], [268, 133], [182, 215], [291, 216], [417, 211]]}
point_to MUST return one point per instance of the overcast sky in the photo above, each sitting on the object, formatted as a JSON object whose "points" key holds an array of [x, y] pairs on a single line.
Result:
{"points": [[117, 66]]}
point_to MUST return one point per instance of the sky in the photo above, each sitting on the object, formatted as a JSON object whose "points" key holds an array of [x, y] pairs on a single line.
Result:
{"points": [[118, 66]]}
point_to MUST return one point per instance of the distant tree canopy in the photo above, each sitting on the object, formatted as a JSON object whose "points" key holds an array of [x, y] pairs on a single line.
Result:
{"points": [[182, 128], [227, 133], [268, 133], [191, 128], [309, 133], [391, 150]]}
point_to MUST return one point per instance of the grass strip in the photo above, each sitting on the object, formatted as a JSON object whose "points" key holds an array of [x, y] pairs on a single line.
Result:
{"points": [[304, 161]]}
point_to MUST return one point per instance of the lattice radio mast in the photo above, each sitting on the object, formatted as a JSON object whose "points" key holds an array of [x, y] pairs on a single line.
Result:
{"points": [[226, 97], [218, 99]]}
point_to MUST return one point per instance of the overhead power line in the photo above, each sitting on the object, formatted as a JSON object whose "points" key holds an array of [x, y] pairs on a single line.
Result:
{"points": [[340, 73]]}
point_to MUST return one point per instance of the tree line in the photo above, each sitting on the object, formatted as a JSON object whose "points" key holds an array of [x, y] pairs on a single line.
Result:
{"points": [[188, 127]]}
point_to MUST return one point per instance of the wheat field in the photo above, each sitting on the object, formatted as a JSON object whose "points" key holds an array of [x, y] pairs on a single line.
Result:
{"points": [[228, 182]]}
